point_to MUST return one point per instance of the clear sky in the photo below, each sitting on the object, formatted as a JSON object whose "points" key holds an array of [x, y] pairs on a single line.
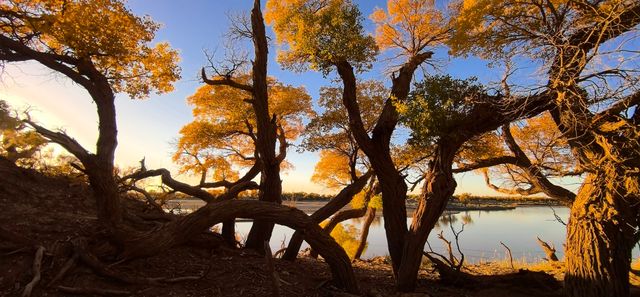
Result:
{"points": [[147, 127]]}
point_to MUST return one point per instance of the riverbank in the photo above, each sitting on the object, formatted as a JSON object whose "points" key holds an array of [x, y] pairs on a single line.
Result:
{"points": [[51, 214], [456, 204]]}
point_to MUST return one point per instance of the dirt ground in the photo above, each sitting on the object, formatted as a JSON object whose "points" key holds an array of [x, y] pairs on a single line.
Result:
{"points": [[52, 212]]}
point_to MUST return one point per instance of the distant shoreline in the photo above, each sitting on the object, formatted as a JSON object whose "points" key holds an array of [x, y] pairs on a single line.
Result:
{"points": [[455, 205]]}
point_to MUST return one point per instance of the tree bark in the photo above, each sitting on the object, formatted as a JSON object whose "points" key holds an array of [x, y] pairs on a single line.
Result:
{"points": [[337, 203], [270, 183], [438, 188], [599, 243], [229, 232]]}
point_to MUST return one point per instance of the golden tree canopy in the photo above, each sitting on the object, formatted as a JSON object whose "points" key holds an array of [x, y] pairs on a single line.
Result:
{"points": [[332, 170], [101, 32], [491, 27], [319, 33], [223, 131], [410, 26]]}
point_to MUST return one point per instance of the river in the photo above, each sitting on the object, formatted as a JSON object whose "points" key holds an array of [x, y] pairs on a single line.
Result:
{"points": [[480, 241]]}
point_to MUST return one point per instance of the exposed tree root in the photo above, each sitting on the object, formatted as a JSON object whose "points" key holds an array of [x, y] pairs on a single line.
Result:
{"points": [[93, 291], [65, 268], [179, 232], [37, 267], [101, 269]]}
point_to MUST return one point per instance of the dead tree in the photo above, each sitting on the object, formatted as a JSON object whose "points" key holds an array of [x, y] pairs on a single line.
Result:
{"points": [[449, 267]]}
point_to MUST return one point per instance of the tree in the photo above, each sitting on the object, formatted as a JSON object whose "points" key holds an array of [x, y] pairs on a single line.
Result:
{"points": [[113, 56], [223, 130], [266, 127], [445, 114], [222, 140], [332, 170], [405, 245], [342, 164], [593, 107], [17, 143], [337, 25], [102, 47]]}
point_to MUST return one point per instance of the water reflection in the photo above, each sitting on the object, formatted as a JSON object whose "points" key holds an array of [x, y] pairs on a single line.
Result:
{"points": [[480, 240]]}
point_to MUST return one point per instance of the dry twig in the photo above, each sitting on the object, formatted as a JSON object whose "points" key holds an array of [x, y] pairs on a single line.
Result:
{"points": [[37, 265], [508, 253]]}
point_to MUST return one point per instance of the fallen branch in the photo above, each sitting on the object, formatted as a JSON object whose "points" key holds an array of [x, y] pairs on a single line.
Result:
{"points": [[508, 253], [37, 265], [448, 275], [93, 291], [20, 250], [179, 279]]}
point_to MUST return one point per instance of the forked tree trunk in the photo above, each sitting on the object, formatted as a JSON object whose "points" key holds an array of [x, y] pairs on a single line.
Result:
{"points": [[599, 243], [270, 183], [438, 188], [376, 147]]}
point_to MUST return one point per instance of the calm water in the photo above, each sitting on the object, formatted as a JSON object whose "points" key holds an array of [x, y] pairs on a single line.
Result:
{"points": [[480, 240]]}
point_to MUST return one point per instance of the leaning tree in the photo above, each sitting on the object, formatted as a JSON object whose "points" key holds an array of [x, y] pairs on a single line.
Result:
{"points": [[62, 37], [588, 55], [342, 164]]}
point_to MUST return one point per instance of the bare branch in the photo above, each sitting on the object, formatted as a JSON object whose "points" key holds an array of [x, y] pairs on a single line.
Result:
{"points": [[64, 140], [225, 81]]}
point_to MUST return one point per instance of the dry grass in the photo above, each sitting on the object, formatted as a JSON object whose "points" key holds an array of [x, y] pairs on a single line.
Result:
{"points": [[633, 278]]}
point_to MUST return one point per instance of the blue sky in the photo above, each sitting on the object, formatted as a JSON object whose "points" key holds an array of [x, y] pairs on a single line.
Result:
{"points": [[147, 127]]}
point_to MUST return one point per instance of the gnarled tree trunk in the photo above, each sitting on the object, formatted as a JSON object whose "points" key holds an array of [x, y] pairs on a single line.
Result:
{"points": [[438, 188], [270, 183], [600, 237]]}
